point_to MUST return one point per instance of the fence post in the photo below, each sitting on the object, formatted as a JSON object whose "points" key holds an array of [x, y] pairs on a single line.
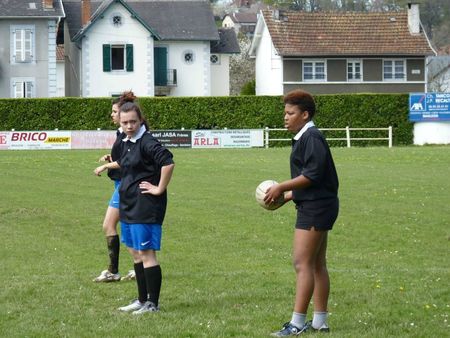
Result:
{"points": [[266, 137], [390, 136], [347, 133]]}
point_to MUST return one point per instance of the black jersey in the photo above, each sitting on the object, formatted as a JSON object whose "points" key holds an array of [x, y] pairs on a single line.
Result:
{"points": [[311, 157], [142, 161], [116, 151]]}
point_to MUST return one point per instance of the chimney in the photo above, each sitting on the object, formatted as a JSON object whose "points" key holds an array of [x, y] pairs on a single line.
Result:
{"points": [[85, 12], [47, 4], [413, 18]]}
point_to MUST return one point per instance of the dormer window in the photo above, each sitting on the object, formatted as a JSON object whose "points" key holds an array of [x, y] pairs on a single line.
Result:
{"points": [[117, 20]]}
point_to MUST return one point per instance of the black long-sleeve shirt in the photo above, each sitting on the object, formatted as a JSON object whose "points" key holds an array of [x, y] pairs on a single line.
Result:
{"points": [[311, 157], [142, 160]]}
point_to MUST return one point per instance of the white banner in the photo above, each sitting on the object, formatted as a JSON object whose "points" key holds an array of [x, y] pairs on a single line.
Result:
{"points": [[224, 138], [104, 139], [24, 140]]}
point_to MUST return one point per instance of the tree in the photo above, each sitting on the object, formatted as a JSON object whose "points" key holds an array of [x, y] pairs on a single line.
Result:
{"points": [[242, 67]]}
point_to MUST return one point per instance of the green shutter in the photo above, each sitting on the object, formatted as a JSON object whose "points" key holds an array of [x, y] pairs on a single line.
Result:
{"points": [[160, 66], [106, 58], [130, 58]]}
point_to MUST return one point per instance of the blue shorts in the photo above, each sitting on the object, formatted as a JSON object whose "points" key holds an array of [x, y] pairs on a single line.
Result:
{"points": [[141, 236], [115, 199]]}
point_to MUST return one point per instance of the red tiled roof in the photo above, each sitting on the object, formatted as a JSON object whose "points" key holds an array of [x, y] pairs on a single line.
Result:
{"points": [[59, 53], [350, 33]]}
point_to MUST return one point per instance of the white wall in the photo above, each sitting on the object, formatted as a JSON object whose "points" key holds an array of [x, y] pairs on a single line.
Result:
{"points": [[431, 133], [268, 67], [60, 79], [192, 79], [220, 76], [96, 82]]}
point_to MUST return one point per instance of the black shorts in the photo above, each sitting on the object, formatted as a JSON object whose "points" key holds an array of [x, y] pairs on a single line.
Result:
{"points": [[320, 214]]}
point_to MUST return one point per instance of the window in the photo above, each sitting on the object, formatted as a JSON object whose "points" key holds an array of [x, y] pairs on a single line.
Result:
{"points": [[215, 59], [23, 43], [394, 70], [22, 88], [118, 57], [354, 71], [314, 71], [188, 57], [117, 20]]}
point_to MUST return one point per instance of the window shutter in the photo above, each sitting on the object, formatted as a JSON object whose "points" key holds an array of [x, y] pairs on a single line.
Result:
{"points": [[18, 89], [106, 58], [28, 45], [18, 45], [28, 89], [130, 65]]}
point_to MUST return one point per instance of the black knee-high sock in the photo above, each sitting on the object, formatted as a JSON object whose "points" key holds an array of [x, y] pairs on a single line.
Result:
{"points": [[140, 281], [153, 277], [113, 244]]}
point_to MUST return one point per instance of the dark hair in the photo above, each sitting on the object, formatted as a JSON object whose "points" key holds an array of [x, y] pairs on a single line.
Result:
{"points": [[127, 103], [115, 100], [303, 100]]}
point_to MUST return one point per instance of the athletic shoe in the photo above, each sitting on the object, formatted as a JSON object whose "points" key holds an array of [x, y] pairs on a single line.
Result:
{"points": [[107, 276], [323, 329], [133, 306], [147, 307], [129, 276], [290, 330]]}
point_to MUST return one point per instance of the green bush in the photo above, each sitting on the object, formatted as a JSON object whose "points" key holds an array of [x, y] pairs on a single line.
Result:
{"points": [[249, 88], [333, 111]]}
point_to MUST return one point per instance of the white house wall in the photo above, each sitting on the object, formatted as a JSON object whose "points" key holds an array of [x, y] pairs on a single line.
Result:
{"points": [[192, 79], [268, 67], [220, 76], [60, 79], [96, 82]]}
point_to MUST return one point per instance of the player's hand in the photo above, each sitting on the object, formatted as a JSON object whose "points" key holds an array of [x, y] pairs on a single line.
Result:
{"points": [[273, 193], [105, 158], [148, 188], [99, 170]]}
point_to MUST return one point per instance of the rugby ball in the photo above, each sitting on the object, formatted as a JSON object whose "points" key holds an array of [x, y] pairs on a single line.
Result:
{"points": [[260, 193]]}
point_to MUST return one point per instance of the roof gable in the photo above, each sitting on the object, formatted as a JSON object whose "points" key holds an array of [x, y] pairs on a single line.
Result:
{"points": [[168, 20], [350, 33], [29, 8]]}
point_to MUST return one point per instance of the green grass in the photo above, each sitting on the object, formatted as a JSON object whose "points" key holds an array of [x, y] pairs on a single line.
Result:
{"points": [[226, 261]]}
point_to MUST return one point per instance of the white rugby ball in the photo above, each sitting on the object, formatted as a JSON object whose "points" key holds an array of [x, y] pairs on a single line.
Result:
{"points": [[260, 193]]}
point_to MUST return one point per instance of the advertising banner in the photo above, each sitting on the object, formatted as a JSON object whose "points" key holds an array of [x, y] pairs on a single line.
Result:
{"points": [[25, 140], [224, 138], [425, 107], [174, 138]]}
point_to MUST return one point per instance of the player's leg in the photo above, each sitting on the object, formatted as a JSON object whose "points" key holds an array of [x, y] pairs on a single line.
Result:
{"points": [[150, 241], [113, 245], [321, 289]]}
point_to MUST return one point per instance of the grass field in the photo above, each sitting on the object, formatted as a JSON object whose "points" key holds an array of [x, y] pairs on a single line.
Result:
{"points": [[226, 261]]}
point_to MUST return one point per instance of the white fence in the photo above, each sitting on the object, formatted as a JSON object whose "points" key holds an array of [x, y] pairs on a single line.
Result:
{"points": [[347, 137]]}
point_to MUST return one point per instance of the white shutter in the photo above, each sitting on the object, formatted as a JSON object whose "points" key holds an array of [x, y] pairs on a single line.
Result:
{"points": [[28, 89], [28, 45], [18, 89], [18, 45]]}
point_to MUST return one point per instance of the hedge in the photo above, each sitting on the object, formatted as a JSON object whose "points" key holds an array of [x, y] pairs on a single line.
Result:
{"points": [[333, 111]]}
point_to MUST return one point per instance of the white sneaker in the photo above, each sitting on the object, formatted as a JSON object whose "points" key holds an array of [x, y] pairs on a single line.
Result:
{"points": [[107, 276], [135, 305], [129, 276], [147, 307]]}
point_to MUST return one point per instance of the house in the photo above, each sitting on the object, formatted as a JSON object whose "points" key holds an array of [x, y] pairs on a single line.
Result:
{"points": [[350, 52], [221, 51], [241, 22], [28, 47], [60, 71], [155, 48]]}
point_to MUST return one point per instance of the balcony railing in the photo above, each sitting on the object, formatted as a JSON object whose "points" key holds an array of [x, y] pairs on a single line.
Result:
{"points": [[170, 80]]}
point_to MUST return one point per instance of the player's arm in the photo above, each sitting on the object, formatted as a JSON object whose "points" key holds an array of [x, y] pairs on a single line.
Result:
{"points": [[106, 166], [166, 175], [274, 192]]}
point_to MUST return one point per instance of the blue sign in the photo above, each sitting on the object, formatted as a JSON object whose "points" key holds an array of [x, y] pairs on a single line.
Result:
{"points": [[429, 107]]}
